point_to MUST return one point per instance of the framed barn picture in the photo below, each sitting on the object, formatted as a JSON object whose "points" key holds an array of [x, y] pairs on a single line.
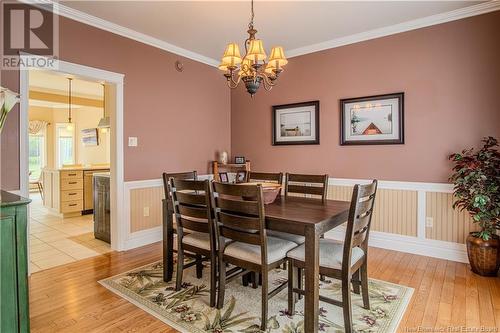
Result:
{"points": [[296, 124], [372, 120]]}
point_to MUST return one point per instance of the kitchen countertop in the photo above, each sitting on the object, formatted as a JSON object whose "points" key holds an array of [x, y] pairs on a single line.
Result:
{"points": [[84, 168]]}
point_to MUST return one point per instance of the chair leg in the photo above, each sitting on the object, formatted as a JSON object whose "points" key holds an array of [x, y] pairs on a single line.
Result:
{"points": [[364, 285], [180, 269], [265, 298], [292, 283], [199, 267], [255, 280], [299, 281], [40, 189], [213, 279], [355, 286], [222, 283], [244, 279], [346, 305]]}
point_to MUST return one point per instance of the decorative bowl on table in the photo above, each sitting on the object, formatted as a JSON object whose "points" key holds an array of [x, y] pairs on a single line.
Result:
{"points": [[270, 191]]}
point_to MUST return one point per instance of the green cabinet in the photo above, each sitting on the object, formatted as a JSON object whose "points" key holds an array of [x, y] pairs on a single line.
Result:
{"points": [[14, 303]]}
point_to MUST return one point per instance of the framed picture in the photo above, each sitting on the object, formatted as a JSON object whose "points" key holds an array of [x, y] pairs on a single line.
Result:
{"points": [[239, 160], [90, 137], [372, 120], [241, 177], [296, 124], [224, 177]]}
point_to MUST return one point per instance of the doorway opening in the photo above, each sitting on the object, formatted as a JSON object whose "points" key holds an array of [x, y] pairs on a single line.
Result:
{"points": [[71, 162]]}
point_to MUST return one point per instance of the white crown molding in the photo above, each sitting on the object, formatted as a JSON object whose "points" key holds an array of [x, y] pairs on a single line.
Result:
{"points": [[423, 22], [117, 29]]}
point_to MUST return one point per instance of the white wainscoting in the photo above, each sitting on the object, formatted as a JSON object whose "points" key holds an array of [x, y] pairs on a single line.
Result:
{"points": [[417, 245]]}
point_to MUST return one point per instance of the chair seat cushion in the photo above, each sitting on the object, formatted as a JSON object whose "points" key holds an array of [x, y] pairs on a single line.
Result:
{"points": [[297, 239], [276, 250], [330, 253], [200, 240]]}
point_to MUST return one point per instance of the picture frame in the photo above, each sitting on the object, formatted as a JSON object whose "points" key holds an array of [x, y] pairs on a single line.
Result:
{"points": [[224, 177], [239, 160], [295, 124], [372, 120], [241, 177], [90, 137]]}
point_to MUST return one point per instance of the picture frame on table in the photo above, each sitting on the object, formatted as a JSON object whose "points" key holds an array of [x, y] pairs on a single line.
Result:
{"points": [[241, 177], [224, 177], [239, 160], [372, 120], [295, 124]]}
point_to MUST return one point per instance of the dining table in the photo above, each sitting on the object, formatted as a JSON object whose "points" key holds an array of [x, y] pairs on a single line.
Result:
{"points": [[308, 217]]}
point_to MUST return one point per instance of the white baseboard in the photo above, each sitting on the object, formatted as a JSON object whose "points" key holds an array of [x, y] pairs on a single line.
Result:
{"points": [[408, 244], [143, 237]]}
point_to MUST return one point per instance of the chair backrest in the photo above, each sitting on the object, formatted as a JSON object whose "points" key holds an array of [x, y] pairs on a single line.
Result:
{"points": [[191, 175], [316, 185], [360, 217], [192, 205], [239, 214], [265, 177]]}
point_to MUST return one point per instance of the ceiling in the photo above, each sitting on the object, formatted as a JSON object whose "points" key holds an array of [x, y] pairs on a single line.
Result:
{"points": [[47, 81], [57, 83], [205, 27]]}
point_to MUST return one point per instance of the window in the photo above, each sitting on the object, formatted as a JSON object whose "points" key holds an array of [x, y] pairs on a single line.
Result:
{"points": [[36, 155], [65, 144]]}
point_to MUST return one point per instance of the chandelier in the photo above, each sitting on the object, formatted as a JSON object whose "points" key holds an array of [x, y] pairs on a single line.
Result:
{"points": [[252, 69]]}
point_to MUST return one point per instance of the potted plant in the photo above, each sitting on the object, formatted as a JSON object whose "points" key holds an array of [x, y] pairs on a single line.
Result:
{"points": [[477, 189], [7, 101]]}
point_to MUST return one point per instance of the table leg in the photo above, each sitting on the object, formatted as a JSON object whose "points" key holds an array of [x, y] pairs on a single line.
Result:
{"points": [[311, 304], [168, 243]]}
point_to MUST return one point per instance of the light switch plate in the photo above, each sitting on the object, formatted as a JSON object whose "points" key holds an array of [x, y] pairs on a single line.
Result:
{"points": [[146, 211], [132, 141]]}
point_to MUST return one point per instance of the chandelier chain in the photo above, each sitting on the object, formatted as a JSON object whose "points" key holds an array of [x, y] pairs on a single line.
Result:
{"points": [[250, 25]]}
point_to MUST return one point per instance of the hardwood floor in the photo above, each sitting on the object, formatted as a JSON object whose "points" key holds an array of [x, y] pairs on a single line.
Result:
{"points": [[69, 299]]}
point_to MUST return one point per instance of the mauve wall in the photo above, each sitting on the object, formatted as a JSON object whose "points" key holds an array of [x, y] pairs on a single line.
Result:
{"points": [[180, 119], [450, 74]]}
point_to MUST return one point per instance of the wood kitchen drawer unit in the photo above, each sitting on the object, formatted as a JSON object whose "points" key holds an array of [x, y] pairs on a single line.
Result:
{"points": [[71, 184], [71, 195], [71, 206], [71, 174]]}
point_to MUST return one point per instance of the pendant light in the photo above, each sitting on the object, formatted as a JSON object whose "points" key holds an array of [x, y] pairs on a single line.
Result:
{"points": [[104, 122], [70, 126]]}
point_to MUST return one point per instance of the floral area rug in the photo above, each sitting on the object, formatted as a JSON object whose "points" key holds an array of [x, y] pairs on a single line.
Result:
{"points": [[188, 310]]}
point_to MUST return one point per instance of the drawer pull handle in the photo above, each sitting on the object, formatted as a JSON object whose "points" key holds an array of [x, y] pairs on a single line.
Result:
{"points": [[71, 193], [72, 183], [71, 174], [71, 205]]}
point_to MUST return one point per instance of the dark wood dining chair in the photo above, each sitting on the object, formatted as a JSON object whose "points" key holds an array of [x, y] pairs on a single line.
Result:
{"points": [[313, 185], [169, 229], [240, 216], [193, 211], [265, 177], [346, 261]]}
